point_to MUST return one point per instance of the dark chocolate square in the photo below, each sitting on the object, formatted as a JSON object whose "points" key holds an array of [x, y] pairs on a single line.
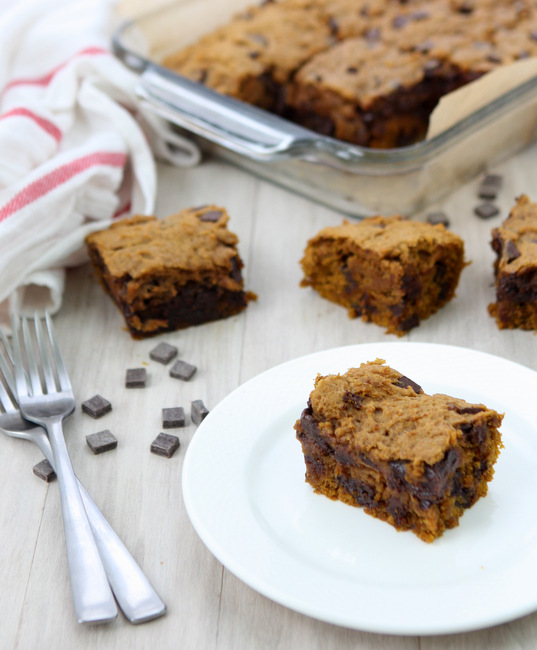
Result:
{"points": [[493, 180], [163, 353], [486, 210], [489, 192], [97, 406], [101, 441], [198, 411], [165, 445], [136, 378], [211, 215], [438, 217], [173, 417], [44, 471], [182, 370]]}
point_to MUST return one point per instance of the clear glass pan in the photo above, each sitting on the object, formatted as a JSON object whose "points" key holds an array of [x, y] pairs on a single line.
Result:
{"points": [[355, 180]]}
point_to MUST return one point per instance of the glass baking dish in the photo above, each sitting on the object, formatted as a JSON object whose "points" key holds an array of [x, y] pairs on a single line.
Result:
{"points": [[355, 180]]}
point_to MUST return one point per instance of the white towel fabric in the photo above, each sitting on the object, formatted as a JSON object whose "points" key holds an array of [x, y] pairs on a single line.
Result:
{"points": [[72, 154]]}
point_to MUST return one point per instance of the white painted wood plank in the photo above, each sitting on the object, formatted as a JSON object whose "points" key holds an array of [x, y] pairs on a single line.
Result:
{"points": [[141, 493]]}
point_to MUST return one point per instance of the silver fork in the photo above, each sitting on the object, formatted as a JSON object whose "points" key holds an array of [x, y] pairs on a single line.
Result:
{"points": [[47, 406], [132, 589]]}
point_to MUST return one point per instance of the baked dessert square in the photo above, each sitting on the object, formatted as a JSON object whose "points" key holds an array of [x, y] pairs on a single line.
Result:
{"points": [[369, 73], [375, 94], [168, 274], [515, 268], [391, 271], [253, 56], [372, 438]]}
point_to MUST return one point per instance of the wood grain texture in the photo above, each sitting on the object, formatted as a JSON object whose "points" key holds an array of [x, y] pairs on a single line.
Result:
{"points": [[140, 493]]}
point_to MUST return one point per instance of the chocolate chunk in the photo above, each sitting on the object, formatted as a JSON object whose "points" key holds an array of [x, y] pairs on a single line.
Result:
{"points": [[424, 47], [165, 445], [173, 417], [182, 370], [409, 323], [135, 378], [489, 192], [163, 353], [435, 218], [467, 7], [198, 411], [420, 14], [493, 179], [486, 210], [511, 251], [430, 66], [259, 38], [490, 186], [400, 21], [470, 410], [101, 441], [353, 398], [211, 215], [372, 34], [412, 286], [405, 382], [334, 26], [494, 57], [97, 406], [44, 471]]}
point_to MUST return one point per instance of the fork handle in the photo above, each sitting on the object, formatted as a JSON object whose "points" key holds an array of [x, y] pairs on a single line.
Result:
{"points": [[132, 589], [92, 597], [134, 593]]}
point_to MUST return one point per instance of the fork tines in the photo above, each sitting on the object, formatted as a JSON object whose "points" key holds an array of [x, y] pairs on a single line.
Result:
{"points": [[7, 380], [47, 376]]}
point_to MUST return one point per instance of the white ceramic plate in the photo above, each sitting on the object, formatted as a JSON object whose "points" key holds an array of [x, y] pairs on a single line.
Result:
{"points": [[244, 490]]}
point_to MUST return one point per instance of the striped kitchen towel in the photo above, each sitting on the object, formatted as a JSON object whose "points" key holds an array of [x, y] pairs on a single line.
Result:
{"points": [[73, 155]]}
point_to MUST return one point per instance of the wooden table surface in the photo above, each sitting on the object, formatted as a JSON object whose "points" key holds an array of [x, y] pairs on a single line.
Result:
{"points": [[140, 493]]}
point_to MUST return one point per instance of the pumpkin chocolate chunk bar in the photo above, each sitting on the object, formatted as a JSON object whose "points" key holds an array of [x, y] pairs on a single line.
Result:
{"points": [[515, 245], [168, 274], [372, 438], [387, 270]]}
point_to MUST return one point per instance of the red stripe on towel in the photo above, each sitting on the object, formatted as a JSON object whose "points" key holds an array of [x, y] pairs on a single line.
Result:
{"points": [[47, 78], [57, 177], [127, 207], [45, 124]]}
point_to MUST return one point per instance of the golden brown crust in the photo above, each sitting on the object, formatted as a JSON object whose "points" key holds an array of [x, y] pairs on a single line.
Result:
{"points": [[515, 268], [372, 438], [170, 273], [366, 72], [388, 270]]}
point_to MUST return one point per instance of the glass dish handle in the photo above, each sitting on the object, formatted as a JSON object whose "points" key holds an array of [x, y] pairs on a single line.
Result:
{"points": [[239, 127]]}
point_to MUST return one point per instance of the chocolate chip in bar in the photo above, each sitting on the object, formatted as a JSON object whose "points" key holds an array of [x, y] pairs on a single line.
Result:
{"points": [[405, 382], [512, 252], [182, 370], [486, 210], [135, 378], [101, 441], [173, 417], [97, 406], [165, 445], [198, 411], [435, 218], [163, 353], [211, 215], [44, 471]]}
